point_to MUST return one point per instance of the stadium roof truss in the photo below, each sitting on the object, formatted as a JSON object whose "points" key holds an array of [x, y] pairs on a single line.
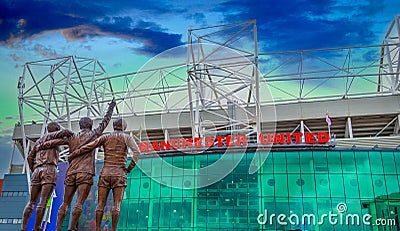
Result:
{"points": [[222, 85]]}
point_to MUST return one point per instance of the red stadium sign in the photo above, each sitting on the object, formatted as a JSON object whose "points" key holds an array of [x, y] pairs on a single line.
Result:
{"points": [[238, 140]]}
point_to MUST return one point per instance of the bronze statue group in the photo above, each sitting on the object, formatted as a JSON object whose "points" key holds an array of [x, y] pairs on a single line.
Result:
{"points": [[43, 160]]}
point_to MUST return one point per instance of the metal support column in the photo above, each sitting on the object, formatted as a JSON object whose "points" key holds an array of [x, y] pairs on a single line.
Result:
{"points": [[257, 85], [48, 104], [349, 129], [66, 95], [21, 118], [90, 99]]}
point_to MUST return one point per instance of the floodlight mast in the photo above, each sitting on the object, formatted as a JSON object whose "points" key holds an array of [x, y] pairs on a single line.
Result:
{"points": [[56, 89], [390, 53], [217, 58]]}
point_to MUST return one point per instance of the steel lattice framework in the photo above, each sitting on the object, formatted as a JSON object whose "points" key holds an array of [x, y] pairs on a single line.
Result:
{"points": [[224, 77]]}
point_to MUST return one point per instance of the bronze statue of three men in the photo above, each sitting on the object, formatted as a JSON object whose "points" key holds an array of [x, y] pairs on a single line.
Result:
{"points": [[79, 177]]}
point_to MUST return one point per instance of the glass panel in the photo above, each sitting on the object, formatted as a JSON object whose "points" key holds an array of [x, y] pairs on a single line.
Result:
{"points": [[397, 161], [337, 187], [268, 185], [351, 185], [292, 159], [348, 162], [366, 190], [320, 162], [133, 214], [322, 185], [281, 185], [392, 184], [389, 166], [362, 162], [306, 162], [379, 186], [309, 185], [294, 183], [280, 162], [376, 162], [268, 165], [134, 189], [334, 162]]}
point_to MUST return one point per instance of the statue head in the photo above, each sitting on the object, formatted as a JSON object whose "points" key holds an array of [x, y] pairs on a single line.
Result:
{"points": [[53, 127], [119, 124], [85, 123]]}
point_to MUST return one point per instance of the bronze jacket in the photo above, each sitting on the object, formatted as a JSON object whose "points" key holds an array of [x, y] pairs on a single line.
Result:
{"points": [[116, 146], [83, 163], [37, 158]]}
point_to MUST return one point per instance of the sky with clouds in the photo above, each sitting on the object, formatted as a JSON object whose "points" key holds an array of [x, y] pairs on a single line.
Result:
{"points": [[123, 35]]}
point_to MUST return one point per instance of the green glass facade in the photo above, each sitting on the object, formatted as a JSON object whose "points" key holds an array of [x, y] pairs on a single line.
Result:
{"points": [[295, 182]]}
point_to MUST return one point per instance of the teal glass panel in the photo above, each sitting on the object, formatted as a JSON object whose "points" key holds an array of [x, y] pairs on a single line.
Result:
{"points": [[389, 164], [392, 184], [281, 187], [306, 162], [379, 186], [280, 162], [320, 162], [295, 207], [362, 162], [375, 159], [309, 206], [348, 162], [351, 185], [322, 185], [134, 191], [397, 161], [292, 160], [308, 185], [324, 207], [268, 185], [269, 207], [294, 183], [366, 190], [165, 186], [145, 187], [334, 162], [176, 191], [337, 186], [268, 165], [133, 213], [156, 167]]}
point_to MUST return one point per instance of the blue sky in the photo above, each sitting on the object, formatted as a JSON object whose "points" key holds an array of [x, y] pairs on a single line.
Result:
{"points": [[123, 35]]}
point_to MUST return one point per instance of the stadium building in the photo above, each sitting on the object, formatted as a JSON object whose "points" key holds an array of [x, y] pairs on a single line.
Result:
{"points": [[232, 138]]}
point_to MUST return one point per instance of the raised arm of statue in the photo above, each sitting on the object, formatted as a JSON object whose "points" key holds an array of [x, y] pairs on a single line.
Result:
{"points": [[106, 120]]}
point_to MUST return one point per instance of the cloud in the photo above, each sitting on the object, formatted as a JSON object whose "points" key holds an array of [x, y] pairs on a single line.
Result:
{"points": [[293, 25], [199, 18], [15, 57], [83, 20], [117, 65], [4, 132], [45, 52]]}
